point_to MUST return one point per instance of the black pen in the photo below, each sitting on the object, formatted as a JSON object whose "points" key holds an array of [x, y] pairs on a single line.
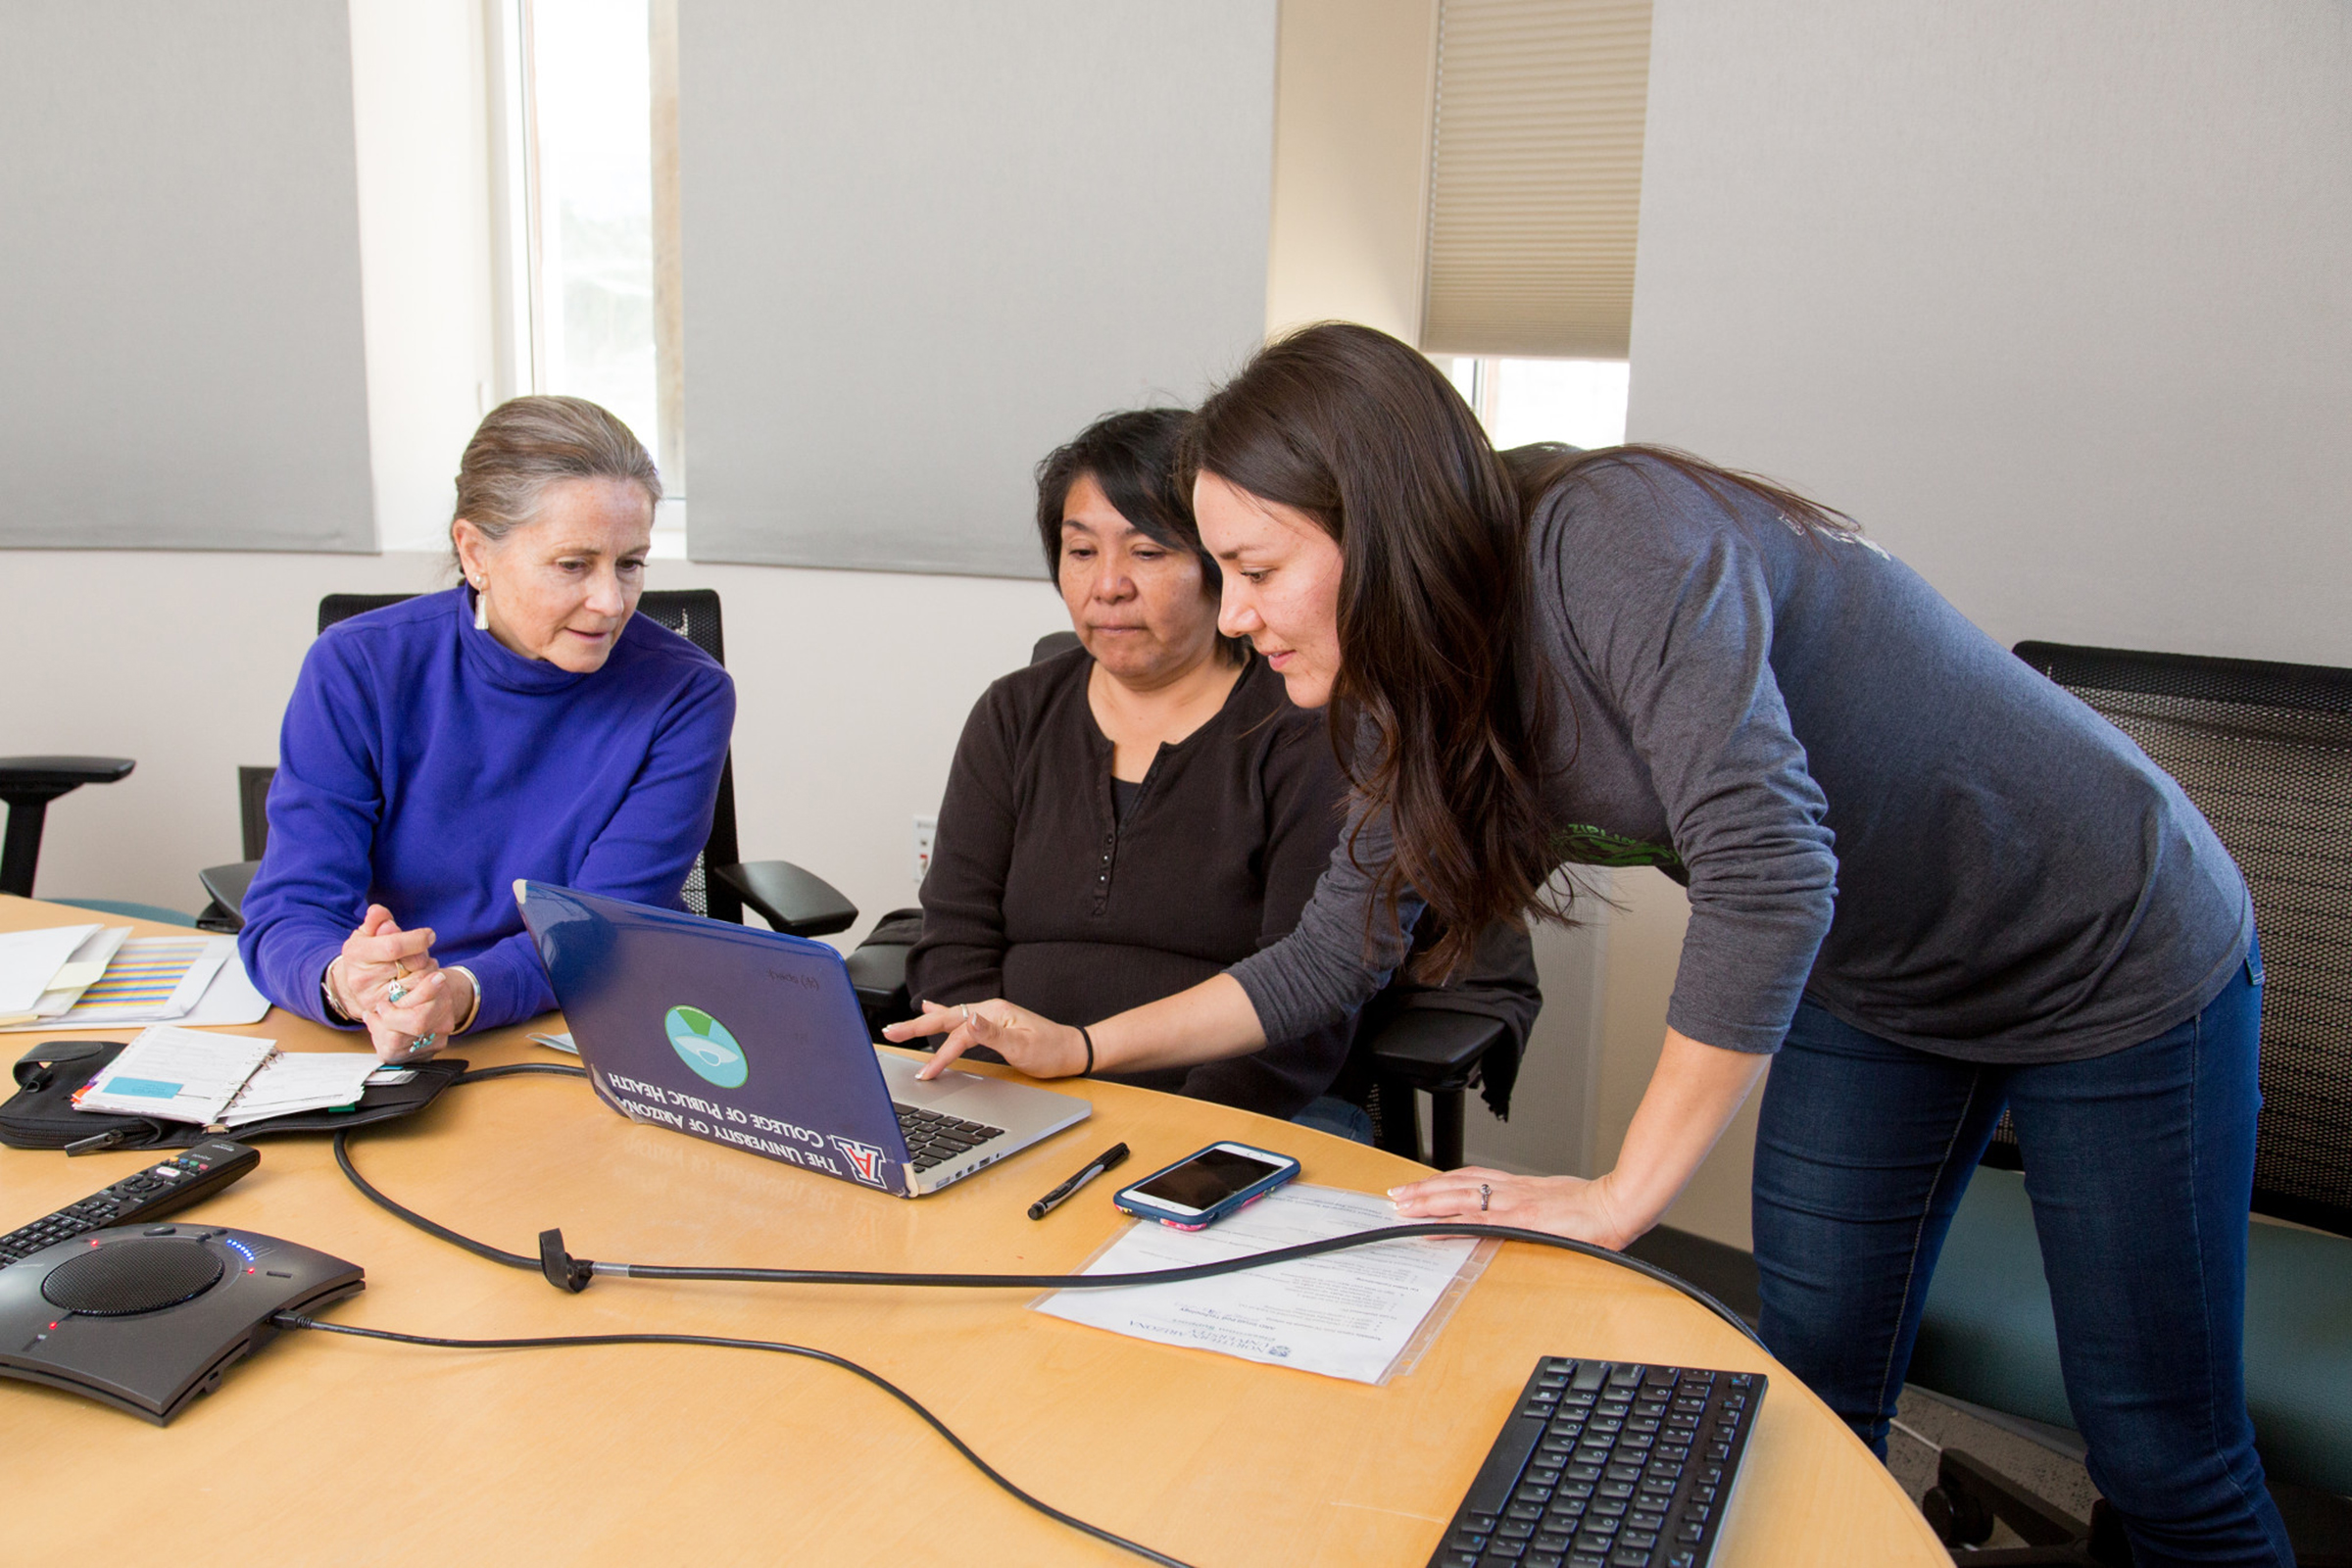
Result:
{"points": [[1059, 1195]]}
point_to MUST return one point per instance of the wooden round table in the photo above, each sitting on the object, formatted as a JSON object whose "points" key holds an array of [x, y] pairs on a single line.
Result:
{"points": [[331, 1449]]}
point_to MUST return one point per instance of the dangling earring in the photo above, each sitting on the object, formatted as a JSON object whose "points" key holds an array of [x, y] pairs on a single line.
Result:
{"points": [[481, 608]]}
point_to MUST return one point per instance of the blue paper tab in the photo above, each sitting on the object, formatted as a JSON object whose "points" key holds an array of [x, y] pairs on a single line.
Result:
{"points": [[142, 1088]]}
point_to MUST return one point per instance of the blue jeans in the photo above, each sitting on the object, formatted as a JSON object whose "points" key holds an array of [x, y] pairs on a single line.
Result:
{"points": [[1328, 1113], [2140, 1166]]}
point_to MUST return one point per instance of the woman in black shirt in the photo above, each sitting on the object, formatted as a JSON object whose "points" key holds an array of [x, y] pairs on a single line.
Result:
{"points": [[1128, 819]]}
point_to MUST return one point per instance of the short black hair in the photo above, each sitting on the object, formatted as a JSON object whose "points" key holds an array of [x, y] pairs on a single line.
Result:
{"points": [[1132, 456]]}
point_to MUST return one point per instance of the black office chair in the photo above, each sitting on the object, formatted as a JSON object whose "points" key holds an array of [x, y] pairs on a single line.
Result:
{"points": [[2265, 750], [27, 784], [719, 885], [1413, 1038], [1442, 1040]]}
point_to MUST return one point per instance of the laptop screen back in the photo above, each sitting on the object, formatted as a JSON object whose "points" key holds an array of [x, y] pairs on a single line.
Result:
{"points": [[742, 1036]]}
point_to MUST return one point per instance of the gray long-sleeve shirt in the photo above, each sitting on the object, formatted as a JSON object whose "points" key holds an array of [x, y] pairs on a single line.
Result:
{"points": [[1872, 803]]}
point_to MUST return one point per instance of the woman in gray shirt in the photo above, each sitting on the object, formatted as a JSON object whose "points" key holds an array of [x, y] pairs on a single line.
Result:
{"points": [[1929, 880]]}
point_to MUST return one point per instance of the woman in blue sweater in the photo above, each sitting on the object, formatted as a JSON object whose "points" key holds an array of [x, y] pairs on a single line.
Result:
{"points": [[526, 723]]}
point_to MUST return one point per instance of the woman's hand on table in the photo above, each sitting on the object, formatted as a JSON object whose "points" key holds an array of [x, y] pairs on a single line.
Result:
{"points": [[1030, 1042], [1693, 1094], [1565, 1205]]}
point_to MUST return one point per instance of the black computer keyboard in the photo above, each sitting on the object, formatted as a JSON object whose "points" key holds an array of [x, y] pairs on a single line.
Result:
{"points": [[932, 1138], [1608, 1464]]}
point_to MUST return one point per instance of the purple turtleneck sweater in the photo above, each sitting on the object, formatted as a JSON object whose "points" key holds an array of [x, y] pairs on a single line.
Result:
{"points": [[425, 766]]}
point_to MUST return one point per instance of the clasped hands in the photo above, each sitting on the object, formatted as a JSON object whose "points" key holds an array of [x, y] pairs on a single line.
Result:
{"points": [[379, 959], [1565, 1205]]}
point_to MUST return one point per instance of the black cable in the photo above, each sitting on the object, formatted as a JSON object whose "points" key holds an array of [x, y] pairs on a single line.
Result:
{"points": [[574, 1274], [294, 1320]]}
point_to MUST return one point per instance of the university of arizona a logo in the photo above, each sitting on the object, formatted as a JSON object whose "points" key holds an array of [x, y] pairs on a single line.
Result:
{"points": [[864, 1159]]}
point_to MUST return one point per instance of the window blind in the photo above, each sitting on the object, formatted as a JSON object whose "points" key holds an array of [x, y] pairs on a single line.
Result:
{"points": [[925, 242], [179, 232], [1536, 177]]}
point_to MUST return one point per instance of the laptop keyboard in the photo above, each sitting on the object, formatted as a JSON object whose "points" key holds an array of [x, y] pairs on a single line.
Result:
{"points": [[933, 1139], [1608, 1465]]}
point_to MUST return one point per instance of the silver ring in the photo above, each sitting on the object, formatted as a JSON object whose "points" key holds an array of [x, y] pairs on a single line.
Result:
{"points": [[395, 993], [423, 1044], [967, 1013], [1485, 1192]]}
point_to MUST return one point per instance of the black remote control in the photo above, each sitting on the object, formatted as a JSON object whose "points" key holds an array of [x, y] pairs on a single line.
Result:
{"points": [[156, 1190]]}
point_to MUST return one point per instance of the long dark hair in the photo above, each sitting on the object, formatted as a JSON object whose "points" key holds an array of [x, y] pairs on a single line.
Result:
{"points": [[1132, 456], [1367, 437]]}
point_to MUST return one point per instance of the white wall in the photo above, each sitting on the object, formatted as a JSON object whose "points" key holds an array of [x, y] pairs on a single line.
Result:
{"points": [[1351, 110], [852, 688], [2051, 298]]}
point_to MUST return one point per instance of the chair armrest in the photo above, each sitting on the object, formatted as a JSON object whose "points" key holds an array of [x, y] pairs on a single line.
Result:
{"points": [[227, 885], [45, 778], [1434, 1048], [793, 900], [878, 972]]}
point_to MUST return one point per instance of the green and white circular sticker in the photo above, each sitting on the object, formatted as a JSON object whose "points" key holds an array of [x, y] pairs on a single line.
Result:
{"points": [[703, 1042]]}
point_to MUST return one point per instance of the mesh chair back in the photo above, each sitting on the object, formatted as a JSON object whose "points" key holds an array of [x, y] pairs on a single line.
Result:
{"points": [[2265, 750], [692, 614]]}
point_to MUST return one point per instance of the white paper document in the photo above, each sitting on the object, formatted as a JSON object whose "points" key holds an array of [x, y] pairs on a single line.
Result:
{"points": [[31, 960], [310, 1080], [176, 979], [84, 970], [231, 999], [176, 1074], [1346, 1314]]}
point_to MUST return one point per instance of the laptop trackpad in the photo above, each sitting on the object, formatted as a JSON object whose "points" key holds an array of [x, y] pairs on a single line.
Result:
{"points": [[908, 1089]]}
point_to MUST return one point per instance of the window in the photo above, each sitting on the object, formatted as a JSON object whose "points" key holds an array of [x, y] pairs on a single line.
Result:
{"points": [[597, 293], [1580, 402]]}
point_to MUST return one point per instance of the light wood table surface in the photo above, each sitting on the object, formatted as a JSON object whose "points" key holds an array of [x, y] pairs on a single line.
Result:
{"points": [[324, 1450]]}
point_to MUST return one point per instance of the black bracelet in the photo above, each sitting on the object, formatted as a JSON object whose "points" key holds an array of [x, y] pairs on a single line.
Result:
{"points": [[1090, 1050]]}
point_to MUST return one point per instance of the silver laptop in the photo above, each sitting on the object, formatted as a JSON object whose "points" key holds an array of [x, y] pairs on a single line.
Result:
{"points": [[755, 1038]]}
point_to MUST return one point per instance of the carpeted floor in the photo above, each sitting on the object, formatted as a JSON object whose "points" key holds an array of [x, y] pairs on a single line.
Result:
{"points": [[1925, 1424]]}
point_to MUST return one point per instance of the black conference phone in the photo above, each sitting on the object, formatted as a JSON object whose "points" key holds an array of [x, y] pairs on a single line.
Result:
{"points": [[97, 1301]]}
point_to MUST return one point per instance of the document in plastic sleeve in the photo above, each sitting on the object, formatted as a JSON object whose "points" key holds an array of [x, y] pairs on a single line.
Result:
{"points": [[1358, 1314]]}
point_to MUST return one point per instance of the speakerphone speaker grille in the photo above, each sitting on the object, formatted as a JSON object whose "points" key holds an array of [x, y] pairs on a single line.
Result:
{"points": [[134, 1276]]}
